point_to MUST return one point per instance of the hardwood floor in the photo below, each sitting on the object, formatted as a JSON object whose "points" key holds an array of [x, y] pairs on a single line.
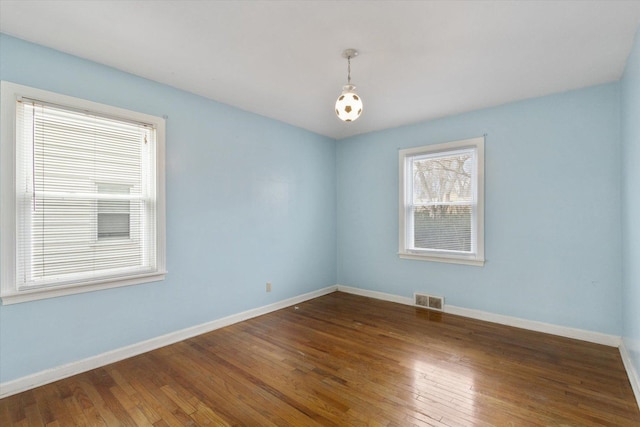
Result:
{"points": [[346, 360]]}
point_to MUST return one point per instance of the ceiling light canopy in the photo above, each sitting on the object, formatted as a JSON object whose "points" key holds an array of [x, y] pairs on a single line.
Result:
{"points": [[349, 103]]}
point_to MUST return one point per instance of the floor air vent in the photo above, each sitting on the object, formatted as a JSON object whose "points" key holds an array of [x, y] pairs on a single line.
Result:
{"points": [[429, 301]]}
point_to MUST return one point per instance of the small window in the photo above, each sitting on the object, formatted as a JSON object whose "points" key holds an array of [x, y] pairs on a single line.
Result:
{"points": [[114, 214], [83, 196], [441, 202]]}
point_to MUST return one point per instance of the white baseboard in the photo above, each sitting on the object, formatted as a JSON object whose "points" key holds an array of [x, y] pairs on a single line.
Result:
{"points": [[563, 331], [631, 371], [375, 294], [532, 325], [64, 371]]}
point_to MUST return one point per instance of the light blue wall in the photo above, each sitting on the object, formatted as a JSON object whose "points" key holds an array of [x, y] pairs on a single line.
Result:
{"points": [[249, 200], [552, 217], [631, 204]]}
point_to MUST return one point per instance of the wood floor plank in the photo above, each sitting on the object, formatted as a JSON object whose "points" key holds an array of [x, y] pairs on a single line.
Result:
{"points": [[346, 360], [75, 411], [216, 388]]}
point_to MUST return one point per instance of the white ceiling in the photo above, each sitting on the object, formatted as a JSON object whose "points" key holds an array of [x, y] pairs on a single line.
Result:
{"points": [[418, 60]]}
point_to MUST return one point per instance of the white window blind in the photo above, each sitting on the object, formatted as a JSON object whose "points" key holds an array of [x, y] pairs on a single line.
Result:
{"points": [[441, 206], [88, 204], [75, 220]]}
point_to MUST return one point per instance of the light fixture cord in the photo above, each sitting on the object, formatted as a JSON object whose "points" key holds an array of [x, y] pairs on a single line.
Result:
{"points": [[348, 69]]}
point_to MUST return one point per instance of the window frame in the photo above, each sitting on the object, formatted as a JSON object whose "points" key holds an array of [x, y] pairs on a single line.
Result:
{"points": [[476, 255], [10, 292]]}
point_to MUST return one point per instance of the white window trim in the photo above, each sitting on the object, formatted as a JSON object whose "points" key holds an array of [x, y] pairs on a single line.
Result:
{"points": [[9, 293], [477, 258]]}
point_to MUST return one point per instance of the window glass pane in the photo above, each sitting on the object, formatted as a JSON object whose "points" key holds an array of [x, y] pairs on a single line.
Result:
{"points": [[113, 215], [443, 195], [443, 227], [443, 178]]}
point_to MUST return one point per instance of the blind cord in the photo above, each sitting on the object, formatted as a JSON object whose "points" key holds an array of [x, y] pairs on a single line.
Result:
{"points": [[33, 157]]}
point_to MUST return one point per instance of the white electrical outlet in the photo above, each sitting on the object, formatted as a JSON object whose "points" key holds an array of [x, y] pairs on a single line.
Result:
{"points": [[268, 286]]}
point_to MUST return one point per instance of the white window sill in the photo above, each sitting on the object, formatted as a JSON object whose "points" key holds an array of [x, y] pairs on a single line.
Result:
{"points": [[443, 258], [16, 297]]}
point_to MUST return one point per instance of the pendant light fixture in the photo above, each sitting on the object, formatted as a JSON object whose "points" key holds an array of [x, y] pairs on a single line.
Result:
{"points": [[349, 103]]}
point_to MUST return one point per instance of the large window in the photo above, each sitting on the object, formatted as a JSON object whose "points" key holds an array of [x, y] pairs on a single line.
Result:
{"points": [[82, 195], [441, 202]]}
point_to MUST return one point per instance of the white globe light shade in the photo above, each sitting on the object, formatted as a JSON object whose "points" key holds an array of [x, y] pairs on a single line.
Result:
{"points": [[349, 104]]}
